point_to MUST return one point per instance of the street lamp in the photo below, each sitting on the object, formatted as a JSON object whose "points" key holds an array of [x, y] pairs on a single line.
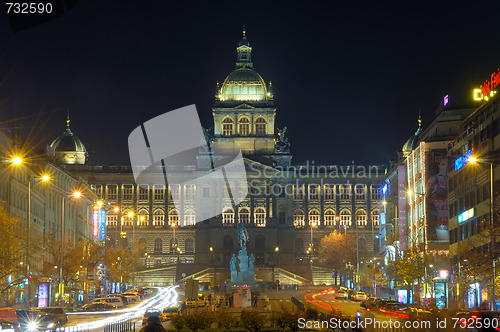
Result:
{"points": [[18, 161], [276, 250], [474, 160], [74, 194]]}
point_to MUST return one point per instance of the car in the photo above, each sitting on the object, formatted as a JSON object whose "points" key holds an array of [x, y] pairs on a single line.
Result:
{"points": [[56, 311], [385, 305], [341, 294], [413, 313], [131, 298], [6, 326], [359, 296], [114, 301], [98, 307], [150, 312], [370, 302], [196, 302], [44, 321], [390, 308], [475, 319], [169, 313], [8, 315]]}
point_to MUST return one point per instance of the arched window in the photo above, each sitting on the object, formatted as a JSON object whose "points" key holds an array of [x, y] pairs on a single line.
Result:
{"points": [[298, 218], [189, 245], [158, 218], [313, 218], [345, 217], [173, 218], [173, 245], [227, 127], [189, 218], [244, 216], [244, 127], [361, 217], [260, 217], [143, 218], [158, 245], [329, 218], [375, 217], [128, 217], [228, 217], [260, 127], [299, 246]]}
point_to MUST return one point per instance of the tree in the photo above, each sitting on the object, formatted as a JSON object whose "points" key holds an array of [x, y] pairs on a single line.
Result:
{"points": [[337, 250], [12, 253]]}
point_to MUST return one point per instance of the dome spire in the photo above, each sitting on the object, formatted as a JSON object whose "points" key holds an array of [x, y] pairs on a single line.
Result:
{"points": [[419, 130], [67, 118], [244, 52]]}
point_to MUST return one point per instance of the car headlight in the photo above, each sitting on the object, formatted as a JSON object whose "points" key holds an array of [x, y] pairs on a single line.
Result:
{"points": [[32, 326], [51, 325]]}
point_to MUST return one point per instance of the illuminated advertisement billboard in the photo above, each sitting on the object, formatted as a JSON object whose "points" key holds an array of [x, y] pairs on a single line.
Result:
{"points": [[102, 224], [95, 221], [402, 207], [436, 195]]}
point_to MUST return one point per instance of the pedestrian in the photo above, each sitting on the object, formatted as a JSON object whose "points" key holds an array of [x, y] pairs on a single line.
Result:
{"points": [[153, 325]]}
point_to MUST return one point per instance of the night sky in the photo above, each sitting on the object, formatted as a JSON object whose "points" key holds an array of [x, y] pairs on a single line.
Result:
{"points": [[349, 77]]}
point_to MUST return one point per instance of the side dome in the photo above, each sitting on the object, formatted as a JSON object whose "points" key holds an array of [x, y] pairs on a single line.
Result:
{"points": [[69, 149], [244, 84]]}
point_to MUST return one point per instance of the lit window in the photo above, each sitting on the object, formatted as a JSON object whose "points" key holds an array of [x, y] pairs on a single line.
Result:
{"points": [[112, 191], [159, 192], [227, 127], [228, 217], [361, 218], [298, 218], [143, 218], [329, 218], [244, 127], [313, 191], [158, 218], [128, 192], [98, 190], [111, 220], [360, 192], [329, 191], [345, 218], [313, 218], [189, 218], [345, 191], [173, 218], [128, 218], [143, 194], [260, 127], [298, 191], [260, 217], [376, 217], [375, 192], [244, 216]]}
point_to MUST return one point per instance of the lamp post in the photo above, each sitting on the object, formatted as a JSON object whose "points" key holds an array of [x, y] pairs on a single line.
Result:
{"points": [[276, 251], [474, 160], [18, 161], [131, 216], [75, 194], [312, 224]]}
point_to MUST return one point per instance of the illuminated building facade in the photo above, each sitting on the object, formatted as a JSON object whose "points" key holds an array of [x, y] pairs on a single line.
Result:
{"points": [[287, 211]]}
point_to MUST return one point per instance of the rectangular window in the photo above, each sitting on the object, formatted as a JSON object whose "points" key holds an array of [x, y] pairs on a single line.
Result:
{"points": [[329, 191], [282, 218], [98, 190], [143, 194], [360, 192], [112, 191], [128, 192], [298, 191], [375, 192], [159, 192], [313, 192], [175, 192], [111, 220], [189, 192], [345, 191]]}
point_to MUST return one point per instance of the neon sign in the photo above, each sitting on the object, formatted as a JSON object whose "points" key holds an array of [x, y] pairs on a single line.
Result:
{"points": [[462, 217], [95, 221], [445, 100], [463, 160], [487, 89], [102, 224]]}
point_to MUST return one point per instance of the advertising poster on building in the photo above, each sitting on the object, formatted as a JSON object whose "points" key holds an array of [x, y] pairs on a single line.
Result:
{"points": [[402, 207], [436, 195]]}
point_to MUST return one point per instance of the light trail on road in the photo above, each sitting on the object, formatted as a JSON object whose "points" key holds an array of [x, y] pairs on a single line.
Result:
{"points": [[311, 298], [166, 297]]}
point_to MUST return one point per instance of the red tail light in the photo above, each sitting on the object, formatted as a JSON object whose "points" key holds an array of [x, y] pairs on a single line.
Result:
{"points": [[473, 316], [368, 309]]}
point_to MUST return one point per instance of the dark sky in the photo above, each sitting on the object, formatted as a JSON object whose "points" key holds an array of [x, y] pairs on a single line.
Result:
{"points": [[349, 77]]}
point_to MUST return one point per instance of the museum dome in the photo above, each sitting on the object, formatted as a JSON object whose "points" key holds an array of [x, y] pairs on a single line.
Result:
{"points": [[412, 143], [69, 149]]}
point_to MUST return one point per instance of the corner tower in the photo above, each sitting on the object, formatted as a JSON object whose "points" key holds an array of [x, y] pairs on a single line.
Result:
{"points": [[244, 113]]}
